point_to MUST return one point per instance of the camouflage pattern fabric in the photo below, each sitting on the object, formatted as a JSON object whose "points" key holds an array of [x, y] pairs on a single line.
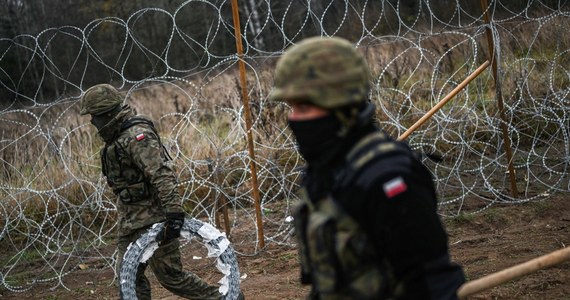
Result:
{"points": [[403, 257], [336, 255], [326, 72], [340, 261], [368, 226], [139, 172], [166, 264], [100, 99]]}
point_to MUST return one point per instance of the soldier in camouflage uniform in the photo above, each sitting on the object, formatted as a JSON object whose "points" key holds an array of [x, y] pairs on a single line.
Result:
{"points": [[138, 169], [367, 227]]}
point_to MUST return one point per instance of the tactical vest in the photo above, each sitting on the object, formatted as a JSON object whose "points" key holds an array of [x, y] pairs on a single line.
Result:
{"points": [[336, 256], [123, 176]]}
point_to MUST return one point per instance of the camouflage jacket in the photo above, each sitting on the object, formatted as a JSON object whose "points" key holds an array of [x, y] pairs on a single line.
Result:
{"points": [[139, 171], [376, 233]]}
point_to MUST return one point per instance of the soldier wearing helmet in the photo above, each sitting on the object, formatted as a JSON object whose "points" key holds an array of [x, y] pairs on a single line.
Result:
{"points": [[367, 226], [138, 170]]}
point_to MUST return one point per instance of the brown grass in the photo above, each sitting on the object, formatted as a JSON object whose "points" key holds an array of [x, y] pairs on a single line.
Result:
{"points": [[200, 117]]}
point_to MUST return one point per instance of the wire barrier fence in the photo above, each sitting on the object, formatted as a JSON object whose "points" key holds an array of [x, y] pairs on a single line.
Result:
{"points": [[56, 212]]}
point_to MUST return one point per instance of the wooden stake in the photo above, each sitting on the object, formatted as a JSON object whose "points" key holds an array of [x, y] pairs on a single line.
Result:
{"points": [[495, 279], [248, 124], [443, 101], [499, 94], [219, 200]]}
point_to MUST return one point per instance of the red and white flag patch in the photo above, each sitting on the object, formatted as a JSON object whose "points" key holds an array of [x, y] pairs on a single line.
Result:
{"points": [[139, 136], [394, 187]]}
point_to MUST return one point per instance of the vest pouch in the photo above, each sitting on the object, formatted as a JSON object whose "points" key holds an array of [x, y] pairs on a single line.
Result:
{"points": [[134, 193], [344, 262], [322, 251], [300, 221]]}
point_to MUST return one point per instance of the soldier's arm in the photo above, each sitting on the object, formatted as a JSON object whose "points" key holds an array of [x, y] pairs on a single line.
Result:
{"points": [[398, 212], [147, 153], [415, 241]]}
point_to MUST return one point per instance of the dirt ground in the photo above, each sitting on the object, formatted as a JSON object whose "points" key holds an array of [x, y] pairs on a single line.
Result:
{"points": [[499, 237]]}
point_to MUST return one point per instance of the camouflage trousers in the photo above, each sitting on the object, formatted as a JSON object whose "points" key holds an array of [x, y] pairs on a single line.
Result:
{"points": [[167, 266]]}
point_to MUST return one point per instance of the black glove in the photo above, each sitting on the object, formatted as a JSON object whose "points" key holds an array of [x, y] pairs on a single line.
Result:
{"points": [[172, 227]]}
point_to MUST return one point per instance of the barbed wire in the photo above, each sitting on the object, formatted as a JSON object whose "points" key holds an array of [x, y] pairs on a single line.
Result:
{"points": [[56, 211], [217, 244]]}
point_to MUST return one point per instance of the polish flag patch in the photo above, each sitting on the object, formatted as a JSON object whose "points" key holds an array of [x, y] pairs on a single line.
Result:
{"points": [[140, 136], [394, 187]]}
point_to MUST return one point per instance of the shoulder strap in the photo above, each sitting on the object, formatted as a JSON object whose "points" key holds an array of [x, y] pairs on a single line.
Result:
{"points": [[103, 155], [142, 120], [371, 147], [137, 120]]}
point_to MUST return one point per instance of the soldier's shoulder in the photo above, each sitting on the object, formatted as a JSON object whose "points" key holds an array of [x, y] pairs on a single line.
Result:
{"points": [[374, 147], [137, 128], [375, 157]]}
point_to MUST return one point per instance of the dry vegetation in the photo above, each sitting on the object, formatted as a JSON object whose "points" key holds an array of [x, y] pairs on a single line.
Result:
{"points": [[199, 117]]}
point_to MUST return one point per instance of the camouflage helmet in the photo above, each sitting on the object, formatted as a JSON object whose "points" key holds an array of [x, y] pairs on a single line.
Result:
{"points": [[99, 99], [326, 72]]}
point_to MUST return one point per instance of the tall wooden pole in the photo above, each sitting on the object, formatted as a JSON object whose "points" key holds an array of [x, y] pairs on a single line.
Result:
{"points": [[248, 124], [498, 92]]}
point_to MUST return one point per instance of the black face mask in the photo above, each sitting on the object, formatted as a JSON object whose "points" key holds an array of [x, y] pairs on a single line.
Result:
{"points": [[106, 123], [101, 121], [317, 138]]}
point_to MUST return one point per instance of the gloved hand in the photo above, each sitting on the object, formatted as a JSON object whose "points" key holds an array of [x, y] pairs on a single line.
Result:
{"points": [[172, 227]]}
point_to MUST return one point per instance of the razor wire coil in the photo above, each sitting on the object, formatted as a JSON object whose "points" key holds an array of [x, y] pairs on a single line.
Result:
{"points": [[57, 212], [217, 244]]}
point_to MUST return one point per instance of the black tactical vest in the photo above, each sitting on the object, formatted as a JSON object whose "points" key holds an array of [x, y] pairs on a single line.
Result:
{"points": [[336, 255]]}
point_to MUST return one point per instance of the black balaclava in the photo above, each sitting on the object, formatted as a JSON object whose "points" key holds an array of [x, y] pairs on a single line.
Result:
{"points": [[101, 120], [107, 124], [316, 137], [324, 141]]}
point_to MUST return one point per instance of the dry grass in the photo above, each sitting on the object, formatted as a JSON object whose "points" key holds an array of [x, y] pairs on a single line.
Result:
{"points": [[201, 119]]}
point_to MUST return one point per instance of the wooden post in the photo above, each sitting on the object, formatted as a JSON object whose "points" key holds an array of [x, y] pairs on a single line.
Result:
{"points": [[478, 285], [245, 99], [498, 92], [224, 205], [443, 101], [213, 194], [219, 200]]}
